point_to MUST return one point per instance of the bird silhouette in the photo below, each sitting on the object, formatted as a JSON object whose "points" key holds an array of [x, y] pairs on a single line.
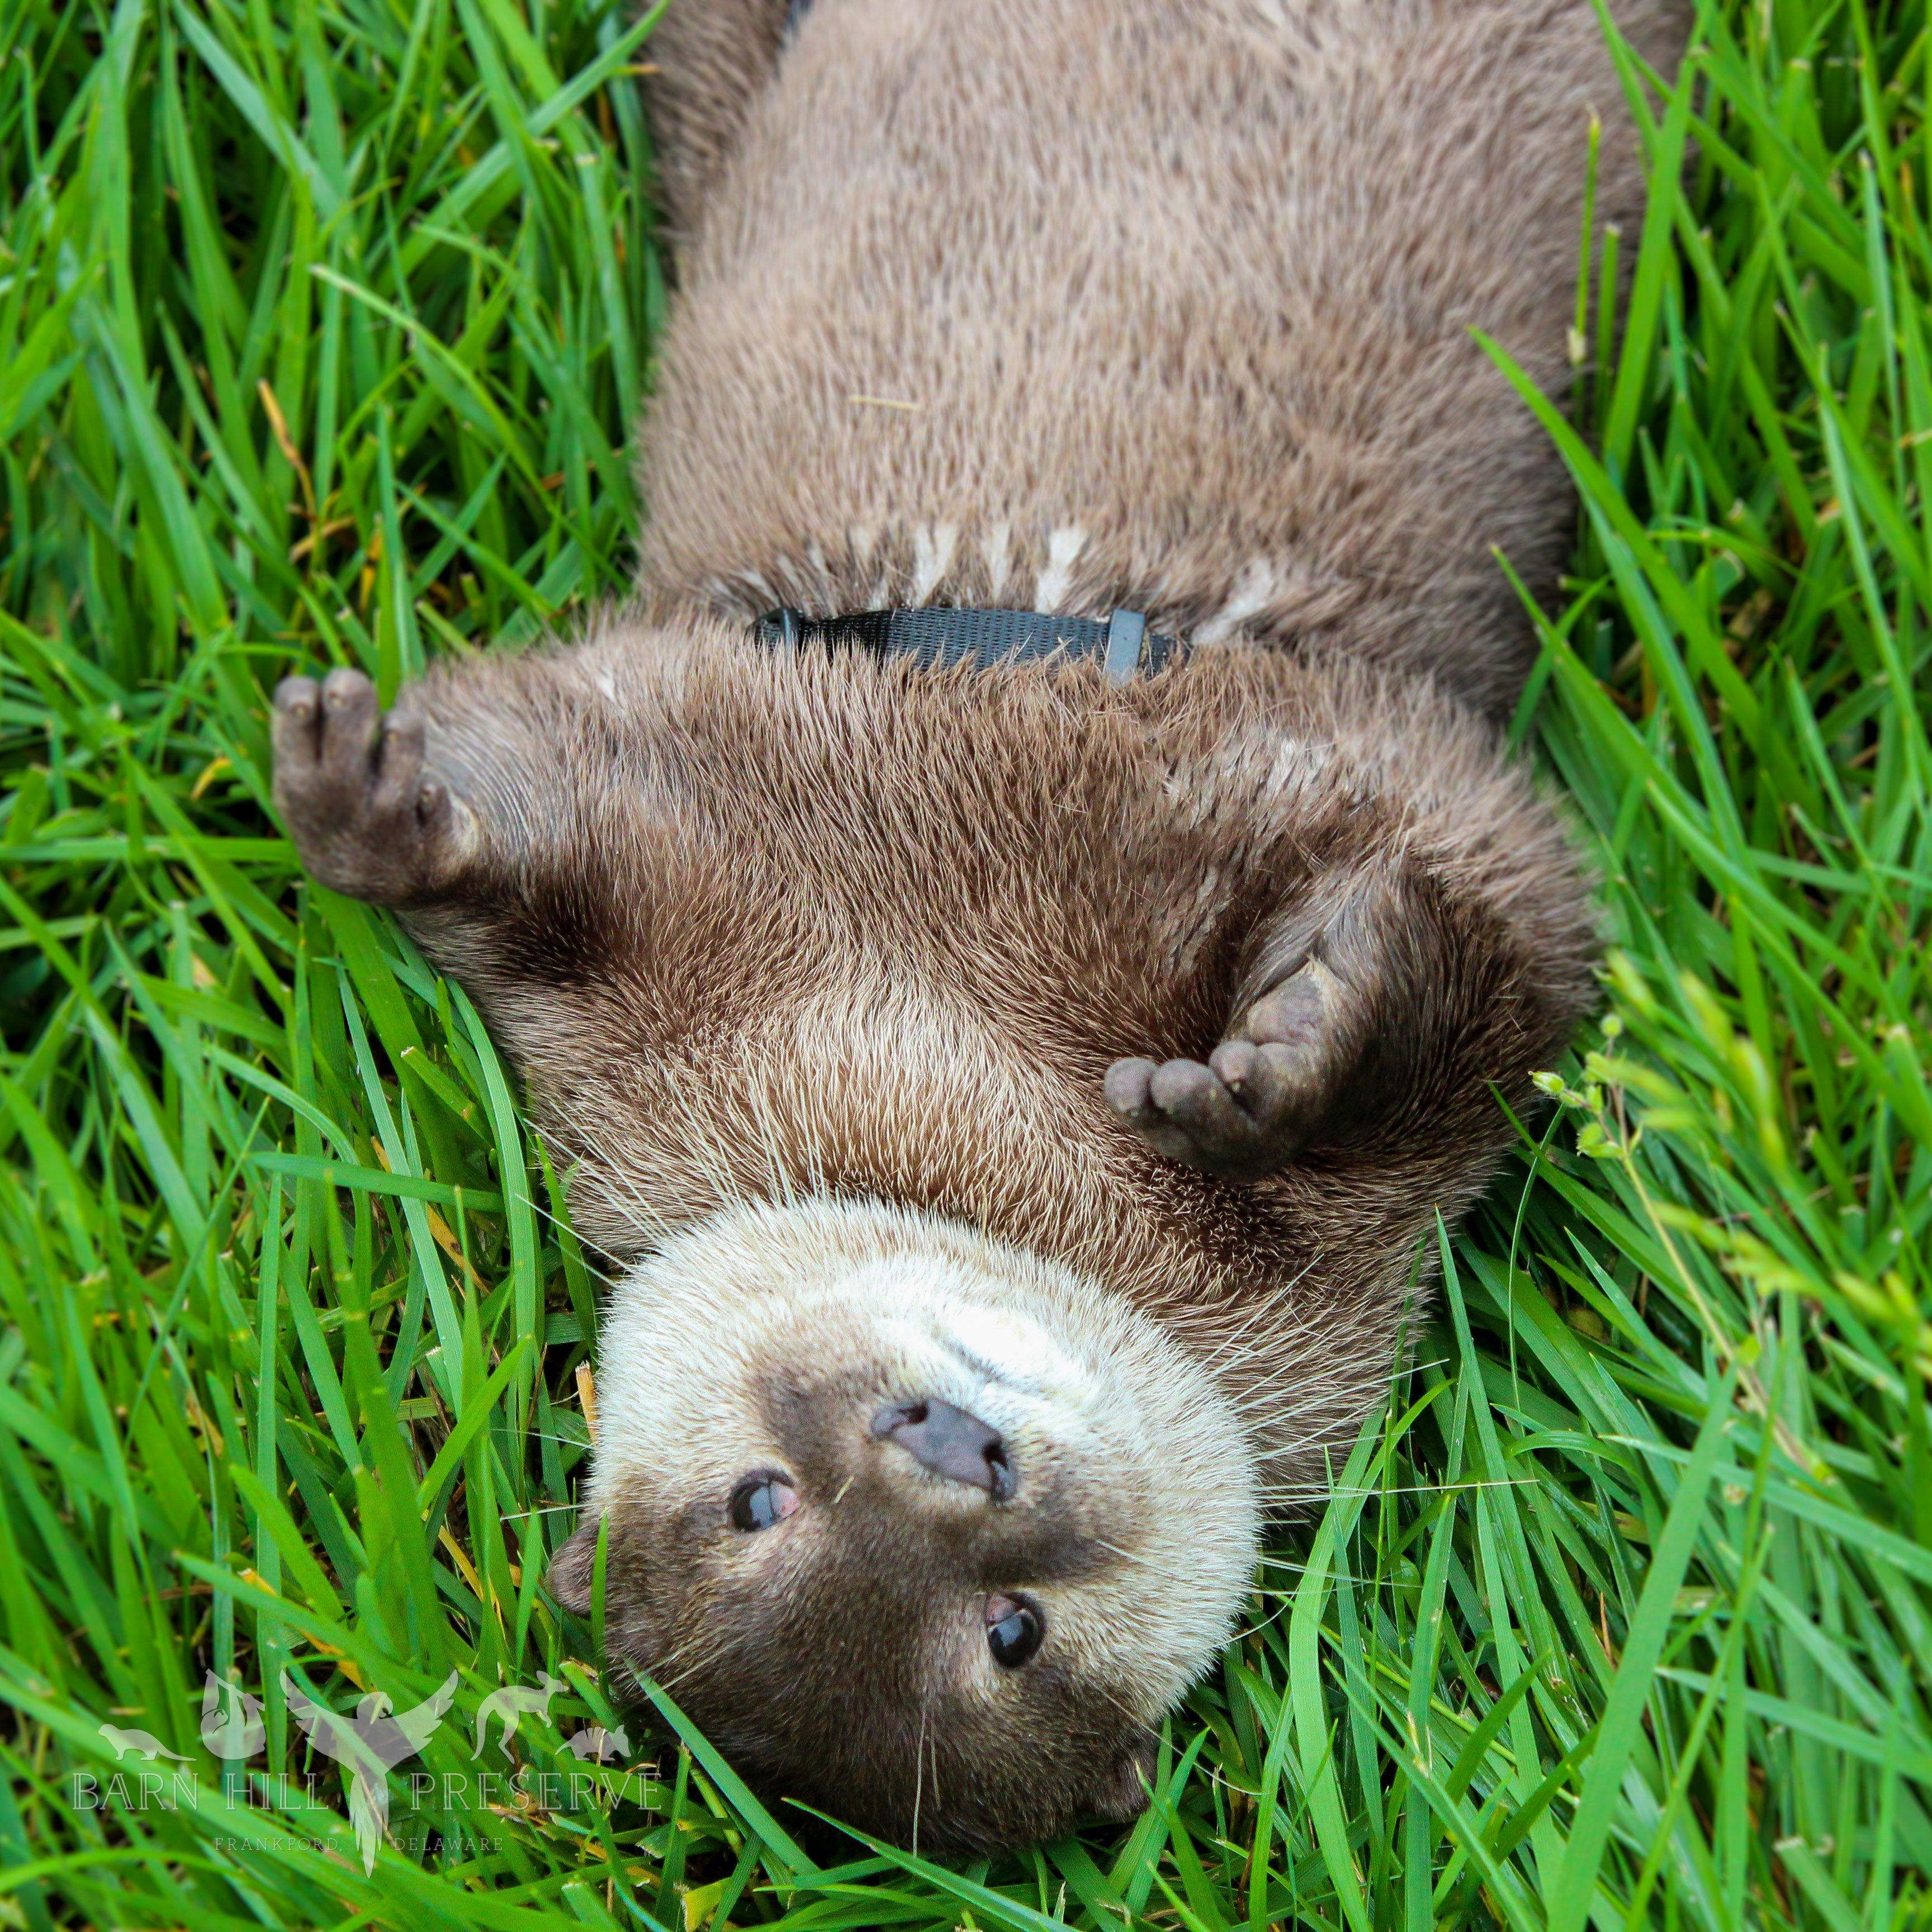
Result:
{"points": [[368, 1747]]}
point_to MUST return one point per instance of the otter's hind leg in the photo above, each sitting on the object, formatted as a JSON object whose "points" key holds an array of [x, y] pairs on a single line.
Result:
{"points": [[709, 62]]}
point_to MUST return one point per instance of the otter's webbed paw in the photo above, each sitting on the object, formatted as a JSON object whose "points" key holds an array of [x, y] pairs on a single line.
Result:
{"points": [[351, 786], [1266, 1091]]}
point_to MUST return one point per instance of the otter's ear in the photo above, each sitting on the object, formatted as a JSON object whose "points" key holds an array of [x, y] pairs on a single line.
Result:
{"points": [[1122, 1793], [573, 1569]]}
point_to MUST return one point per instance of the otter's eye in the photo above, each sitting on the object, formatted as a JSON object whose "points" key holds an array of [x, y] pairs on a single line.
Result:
{"points": [[1013, 1630], [759, 1502]]}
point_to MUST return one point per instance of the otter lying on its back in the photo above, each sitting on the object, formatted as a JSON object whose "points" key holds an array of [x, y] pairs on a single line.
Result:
{"points": [[1016, 1095]]}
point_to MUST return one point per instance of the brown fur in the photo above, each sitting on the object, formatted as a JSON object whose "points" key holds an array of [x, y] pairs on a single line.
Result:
{"points": [[1203, 987], [883, 932], [849, 1666], [1195, 281]]}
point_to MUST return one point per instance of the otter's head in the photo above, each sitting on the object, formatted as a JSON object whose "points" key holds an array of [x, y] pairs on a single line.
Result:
{"points": [[920, 1529]]}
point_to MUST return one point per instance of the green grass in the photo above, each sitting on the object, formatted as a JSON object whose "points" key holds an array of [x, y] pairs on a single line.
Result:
{"points": [[320, 328]]}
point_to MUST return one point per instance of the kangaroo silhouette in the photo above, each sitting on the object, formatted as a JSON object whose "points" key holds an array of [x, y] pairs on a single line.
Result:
{"points": [[508, 1706], [144, 1745]]}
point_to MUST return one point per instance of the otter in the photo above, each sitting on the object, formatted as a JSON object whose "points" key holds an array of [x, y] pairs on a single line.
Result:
{"points": [[1012, 1093]]}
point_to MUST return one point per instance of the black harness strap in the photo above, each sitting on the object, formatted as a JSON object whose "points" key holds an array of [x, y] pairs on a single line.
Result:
{"points": [[936, 637]]}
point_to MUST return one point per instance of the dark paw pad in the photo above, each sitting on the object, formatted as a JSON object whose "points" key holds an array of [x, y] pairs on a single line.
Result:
{"points": [[1265, 1090], [351, 786]]}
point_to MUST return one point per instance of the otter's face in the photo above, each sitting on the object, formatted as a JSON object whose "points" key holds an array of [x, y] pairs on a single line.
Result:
{"points": [[918, 1528]]}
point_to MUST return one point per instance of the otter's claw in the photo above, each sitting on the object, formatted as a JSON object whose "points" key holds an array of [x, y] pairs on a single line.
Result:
{"points": [[351, 786], [1264, 1091]]}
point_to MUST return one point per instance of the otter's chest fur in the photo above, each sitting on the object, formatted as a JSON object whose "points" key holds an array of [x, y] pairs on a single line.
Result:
{"points": [[827, 925]]}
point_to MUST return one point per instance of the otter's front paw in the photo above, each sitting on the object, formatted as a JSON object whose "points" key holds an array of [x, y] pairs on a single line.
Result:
{"points": [[350, 786], [1266, 1090]]}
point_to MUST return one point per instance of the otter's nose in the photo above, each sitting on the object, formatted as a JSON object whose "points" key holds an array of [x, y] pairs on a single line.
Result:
{"points": [[950, 1443]]}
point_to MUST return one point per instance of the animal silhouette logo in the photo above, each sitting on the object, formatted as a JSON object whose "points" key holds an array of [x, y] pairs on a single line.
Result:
{"points": [[367, 1747], [595, 1743], [143, 1744], [231, 1719], [509, 1706]]}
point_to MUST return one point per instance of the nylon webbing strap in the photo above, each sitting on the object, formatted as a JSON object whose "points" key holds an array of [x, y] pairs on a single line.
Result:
{"points": [[936, 638]]}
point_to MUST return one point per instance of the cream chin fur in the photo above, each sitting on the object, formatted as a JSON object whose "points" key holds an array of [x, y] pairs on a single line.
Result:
{"points": [[1076, 1380]]}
